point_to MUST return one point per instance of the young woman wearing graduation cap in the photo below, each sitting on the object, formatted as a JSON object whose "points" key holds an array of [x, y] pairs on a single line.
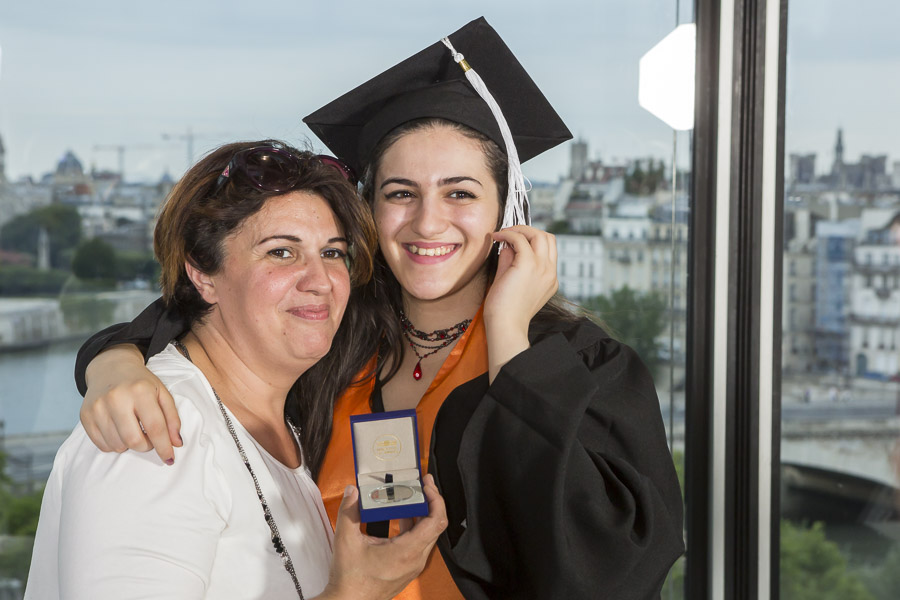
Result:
{"points": [[543, 433]]}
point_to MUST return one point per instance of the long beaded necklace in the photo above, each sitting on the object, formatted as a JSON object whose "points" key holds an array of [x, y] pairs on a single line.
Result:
{"points": [[270, 520], [443, 337]]}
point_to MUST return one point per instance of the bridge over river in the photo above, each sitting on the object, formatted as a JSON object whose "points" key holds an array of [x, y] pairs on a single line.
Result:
{"points": [[855, 440]]}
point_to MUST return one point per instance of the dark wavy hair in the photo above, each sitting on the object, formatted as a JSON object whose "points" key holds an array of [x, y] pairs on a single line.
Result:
{"points": [[383, 292], [192, 226]]}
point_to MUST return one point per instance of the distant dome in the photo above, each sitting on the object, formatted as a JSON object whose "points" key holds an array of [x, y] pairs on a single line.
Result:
{"points": [[166, 179], [69, 165]]}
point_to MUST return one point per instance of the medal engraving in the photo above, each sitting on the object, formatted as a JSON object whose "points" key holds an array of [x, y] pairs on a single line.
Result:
{"points": [[387, 447]]}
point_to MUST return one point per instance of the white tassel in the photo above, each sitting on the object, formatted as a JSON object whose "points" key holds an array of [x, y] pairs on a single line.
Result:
{"points": [[516, 211]]}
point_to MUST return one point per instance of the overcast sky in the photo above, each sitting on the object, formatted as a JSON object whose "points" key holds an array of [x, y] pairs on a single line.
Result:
{"points": [[77, 75]]}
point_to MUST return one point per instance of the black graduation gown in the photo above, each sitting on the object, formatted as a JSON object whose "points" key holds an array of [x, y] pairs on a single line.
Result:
{"points": [[564, 463], [563, 460]]}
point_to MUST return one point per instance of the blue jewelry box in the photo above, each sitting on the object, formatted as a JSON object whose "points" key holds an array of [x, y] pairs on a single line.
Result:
{"points": [[386, 458]]}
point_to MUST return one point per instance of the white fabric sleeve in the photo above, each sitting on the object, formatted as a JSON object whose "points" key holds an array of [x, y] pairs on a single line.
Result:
{"points": [[132, 527]]}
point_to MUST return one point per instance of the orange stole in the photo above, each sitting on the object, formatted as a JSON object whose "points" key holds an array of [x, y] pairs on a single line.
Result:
{"points": [[467, 360]]}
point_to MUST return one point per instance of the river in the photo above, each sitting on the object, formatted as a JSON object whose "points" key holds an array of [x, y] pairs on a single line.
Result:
{"points": [[37, 389]]}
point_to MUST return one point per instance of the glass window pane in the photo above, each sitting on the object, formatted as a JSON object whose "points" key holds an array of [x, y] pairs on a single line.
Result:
{"points": [[635, 208], [840, 533], [103, 107]]}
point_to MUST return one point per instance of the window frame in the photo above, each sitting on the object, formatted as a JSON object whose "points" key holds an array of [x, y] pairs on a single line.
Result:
{"points": [[732, 444]]}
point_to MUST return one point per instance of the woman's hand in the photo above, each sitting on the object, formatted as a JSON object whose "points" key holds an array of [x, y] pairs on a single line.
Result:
{"points": [[525, 281], [367, 567], [126, 407]]}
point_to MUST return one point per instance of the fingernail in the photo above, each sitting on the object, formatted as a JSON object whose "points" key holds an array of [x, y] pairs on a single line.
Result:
{"points": [[170, 461], [348, 490], [180, 439]]}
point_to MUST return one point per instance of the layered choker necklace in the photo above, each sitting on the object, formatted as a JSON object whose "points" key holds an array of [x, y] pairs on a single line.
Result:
{"points": [[441, 337]]}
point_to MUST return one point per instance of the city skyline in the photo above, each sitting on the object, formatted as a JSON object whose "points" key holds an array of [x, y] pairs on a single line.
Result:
{"points": [[129, 74], [93, 76], [824, 163]]}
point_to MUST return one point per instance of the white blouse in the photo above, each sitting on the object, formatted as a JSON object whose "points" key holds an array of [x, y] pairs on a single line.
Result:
{"points": [[122, 526]]}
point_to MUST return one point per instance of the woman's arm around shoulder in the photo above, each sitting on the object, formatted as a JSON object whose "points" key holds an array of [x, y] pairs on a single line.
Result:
{"points": [[125, 406]]}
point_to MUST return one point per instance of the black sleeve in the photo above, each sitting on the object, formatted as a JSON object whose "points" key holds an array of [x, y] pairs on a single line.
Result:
{"points": [[570, 488], [150, 331]]}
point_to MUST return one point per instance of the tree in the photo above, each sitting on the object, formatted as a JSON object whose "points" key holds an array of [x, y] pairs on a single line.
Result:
{"points": [[131, 264], [86, 312], [634, 181], [559, 227], [21, 513], [15, 559], [28, 281], [94, 259], [812, 567], [641, 181], [63, 226], [884, 581], [633, 318], [18, 518]]}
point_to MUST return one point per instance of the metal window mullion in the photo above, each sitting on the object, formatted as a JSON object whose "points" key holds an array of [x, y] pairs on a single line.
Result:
{"points": [[704, 456], [754, 400], [743, 384], [700, 469], [771, 299], [754, 299], [734, 364]]}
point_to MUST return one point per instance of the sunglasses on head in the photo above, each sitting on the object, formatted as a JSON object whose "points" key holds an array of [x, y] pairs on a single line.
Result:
{"points": [[274, 169]]}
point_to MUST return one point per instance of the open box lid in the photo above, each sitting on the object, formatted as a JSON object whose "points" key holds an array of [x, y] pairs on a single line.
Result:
{"points": [[386, 455], [385, 442]]}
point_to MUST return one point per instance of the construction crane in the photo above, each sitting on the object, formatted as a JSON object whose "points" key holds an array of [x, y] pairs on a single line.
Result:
{"points": [[189, 137], [184, 137], [120, 149]]}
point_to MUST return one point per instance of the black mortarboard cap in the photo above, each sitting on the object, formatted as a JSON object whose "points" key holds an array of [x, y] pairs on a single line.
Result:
{"points": [[431, 84]]}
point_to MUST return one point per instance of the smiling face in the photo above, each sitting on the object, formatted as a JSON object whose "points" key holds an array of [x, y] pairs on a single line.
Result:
{"points": [[436, 204], [283, 286]]}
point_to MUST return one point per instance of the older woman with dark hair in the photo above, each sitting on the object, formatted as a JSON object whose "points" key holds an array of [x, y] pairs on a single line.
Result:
{"points": [[260, 245]]}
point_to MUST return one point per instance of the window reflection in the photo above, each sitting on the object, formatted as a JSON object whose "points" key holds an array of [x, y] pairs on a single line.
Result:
{"points": [[841, 314], [78, 199]]}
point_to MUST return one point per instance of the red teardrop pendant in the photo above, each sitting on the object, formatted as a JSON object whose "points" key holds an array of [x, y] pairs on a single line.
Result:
{"points": [[417, 372]]}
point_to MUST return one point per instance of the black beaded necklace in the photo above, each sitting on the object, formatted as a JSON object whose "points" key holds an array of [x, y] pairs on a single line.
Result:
{"points": [[270, 520], [443, 337]]}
